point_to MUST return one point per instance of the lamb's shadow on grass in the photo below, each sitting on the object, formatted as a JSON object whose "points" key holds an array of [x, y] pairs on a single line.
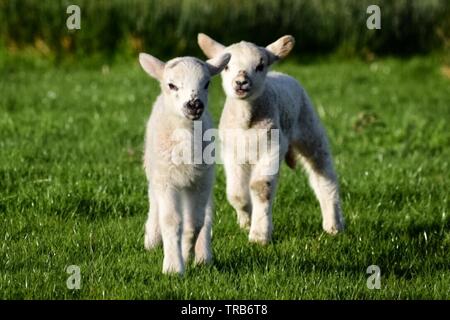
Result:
{"points": [[399, 251]]}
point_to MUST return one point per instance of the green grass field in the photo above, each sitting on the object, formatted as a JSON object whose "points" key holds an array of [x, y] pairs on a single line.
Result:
{"points": [[73, 190]]}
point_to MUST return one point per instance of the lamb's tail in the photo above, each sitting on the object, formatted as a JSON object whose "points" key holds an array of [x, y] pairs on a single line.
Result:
{"points": [[292, 157]]}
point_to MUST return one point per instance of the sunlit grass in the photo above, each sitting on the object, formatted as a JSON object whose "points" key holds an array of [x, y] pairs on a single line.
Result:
{"points": [[73, 190]]}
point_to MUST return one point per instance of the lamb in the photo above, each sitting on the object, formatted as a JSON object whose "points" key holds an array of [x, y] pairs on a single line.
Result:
{"points": [[180, 193], [257, 99]]}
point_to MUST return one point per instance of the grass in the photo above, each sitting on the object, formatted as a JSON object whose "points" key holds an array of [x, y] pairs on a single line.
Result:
{"points": [[73, 190], [169, 27]]}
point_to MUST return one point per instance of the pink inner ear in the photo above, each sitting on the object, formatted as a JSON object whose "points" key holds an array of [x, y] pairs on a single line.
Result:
{"points": [[151, 65], [210, 47], [281, 48]]}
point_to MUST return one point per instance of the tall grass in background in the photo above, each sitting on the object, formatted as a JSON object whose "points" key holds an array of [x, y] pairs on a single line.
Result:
{"points": [[169, 27]]}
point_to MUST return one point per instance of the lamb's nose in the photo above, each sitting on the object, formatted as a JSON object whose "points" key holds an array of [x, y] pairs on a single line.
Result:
{"points": [[194, 104], [241, 83]]}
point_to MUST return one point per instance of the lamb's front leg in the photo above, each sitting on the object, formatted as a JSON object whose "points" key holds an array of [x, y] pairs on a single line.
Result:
{"points": [[170, 220], [193, 217], [203, 253], [152, 236], [197, 221], [262, 189], [238, 192]]}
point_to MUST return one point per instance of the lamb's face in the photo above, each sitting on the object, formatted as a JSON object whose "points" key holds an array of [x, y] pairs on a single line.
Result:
{"points": [[245, 74], [185, 83]]}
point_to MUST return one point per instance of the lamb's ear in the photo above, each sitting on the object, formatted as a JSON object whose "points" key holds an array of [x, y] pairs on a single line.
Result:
{"points": [[216, 65], [280, 48], [210, 47], [153, 66]]}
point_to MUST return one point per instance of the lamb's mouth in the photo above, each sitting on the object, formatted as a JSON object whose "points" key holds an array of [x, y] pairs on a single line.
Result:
{"points": [[194, 114], [241, 92]]}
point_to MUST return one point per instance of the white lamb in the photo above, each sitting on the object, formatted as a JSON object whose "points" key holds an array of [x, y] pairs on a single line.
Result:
{"points": [[180, 194], [258, 99]]}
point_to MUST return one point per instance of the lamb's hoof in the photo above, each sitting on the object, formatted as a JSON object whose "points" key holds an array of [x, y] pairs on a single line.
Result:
{"points": [[259, 238], [333, 228], [203, 259], [173, 272], [244, 224], [173, 269], [244, 221], [151, 242]]}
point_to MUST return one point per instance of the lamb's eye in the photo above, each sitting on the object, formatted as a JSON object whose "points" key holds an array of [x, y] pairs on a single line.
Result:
{"points": [[260, 67], [226, 68], [173, 87], [207, 85]]}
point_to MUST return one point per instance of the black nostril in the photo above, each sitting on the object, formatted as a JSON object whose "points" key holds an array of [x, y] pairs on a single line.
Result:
{"points": [[195, 104], [241, 83], [198, 103]]}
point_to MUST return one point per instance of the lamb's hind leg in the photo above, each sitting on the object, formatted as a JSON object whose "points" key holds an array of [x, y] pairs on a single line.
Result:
{"points": [[316, 158], [323, 182]]}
